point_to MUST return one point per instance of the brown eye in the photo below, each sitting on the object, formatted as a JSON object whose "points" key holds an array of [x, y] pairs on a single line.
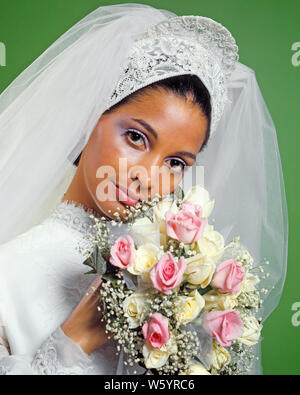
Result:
{"points": [[177, 166], [135, 138]]}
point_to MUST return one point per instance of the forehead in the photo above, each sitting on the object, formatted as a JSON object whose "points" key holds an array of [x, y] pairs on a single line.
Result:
{"points": [[175, 119]]}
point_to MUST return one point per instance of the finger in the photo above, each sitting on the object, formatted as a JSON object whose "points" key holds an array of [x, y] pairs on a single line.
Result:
{"points": [[97, 282], [93, 289]]}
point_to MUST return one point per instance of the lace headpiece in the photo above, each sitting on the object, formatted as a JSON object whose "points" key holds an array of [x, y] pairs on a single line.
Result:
{"points": [[181, 45]]}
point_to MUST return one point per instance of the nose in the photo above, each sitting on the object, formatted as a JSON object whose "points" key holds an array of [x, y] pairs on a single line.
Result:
{"points": [[141, 181], [145, 178]]}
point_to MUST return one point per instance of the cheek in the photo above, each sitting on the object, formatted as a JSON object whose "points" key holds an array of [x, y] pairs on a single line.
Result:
{"points": [[168, 188], [108, 157], [100, 160], [165, 183]]}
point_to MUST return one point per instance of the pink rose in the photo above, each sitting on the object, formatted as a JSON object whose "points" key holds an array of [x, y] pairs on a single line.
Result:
{"points": [[122, 252], [156, 332], [167, 273], [229, 277], [186, 225], [224, 326]]}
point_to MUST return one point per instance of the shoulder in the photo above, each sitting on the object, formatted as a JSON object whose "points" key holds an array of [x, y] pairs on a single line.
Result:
{"points": [[45, 256], [33, 239], [44, 244]]}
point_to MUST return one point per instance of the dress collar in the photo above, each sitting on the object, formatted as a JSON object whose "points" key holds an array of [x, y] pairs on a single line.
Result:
{"points": [[74, 215]]}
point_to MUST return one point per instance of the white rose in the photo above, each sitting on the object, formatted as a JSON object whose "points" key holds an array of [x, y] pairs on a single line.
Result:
{"points": [[199, 270], [144, 231], [218, 301], [159, 211], [199, 195], [141, 221], [146, 257], [189, 307], [220, 356], [211, 243], [252, 329], [249, 283], [155, 358], [135, 309], [197, 369]]}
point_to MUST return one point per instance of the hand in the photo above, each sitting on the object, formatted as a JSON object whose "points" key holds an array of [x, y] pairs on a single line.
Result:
{"points": [[84, 325]]}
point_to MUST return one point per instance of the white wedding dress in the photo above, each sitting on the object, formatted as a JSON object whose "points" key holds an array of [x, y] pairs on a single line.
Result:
{"points": [[41, 282]]}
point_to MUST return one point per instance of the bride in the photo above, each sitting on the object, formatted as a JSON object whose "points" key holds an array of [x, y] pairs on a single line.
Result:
{"points": [[155, 90]]}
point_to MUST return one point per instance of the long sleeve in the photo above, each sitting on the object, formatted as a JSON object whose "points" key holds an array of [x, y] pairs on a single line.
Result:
{"points": [[41, 282], [58, 355]]}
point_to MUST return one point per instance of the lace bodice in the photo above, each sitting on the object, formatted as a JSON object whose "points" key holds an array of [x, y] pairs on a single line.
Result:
{"points": [[41, 282], [73, 215]]}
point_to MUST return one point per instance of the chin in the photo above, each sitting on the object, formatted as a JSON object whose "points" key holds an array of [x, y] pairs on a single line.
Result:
{"points": [[107, 209]]}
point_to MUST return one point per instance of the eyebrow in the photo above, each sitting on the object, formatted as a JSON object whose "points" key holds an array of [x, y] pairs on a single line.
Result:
{"points": [[154, 133], [146, 126], [185, 153]]}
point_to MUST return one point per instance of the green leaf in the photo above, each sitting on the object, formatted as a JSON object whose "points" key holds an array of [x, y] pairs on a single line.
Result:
{"points": [[179, 193], [214, 371], [203, 291], [89, 262], [99, 261], [96, 262], [186, 249], [110, 278], [192, 286], [90, 272]]}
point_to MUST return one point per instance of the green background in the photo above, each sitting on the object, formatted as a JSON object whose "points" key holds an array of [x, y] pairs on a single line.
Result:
{"points": [[265, 31]]}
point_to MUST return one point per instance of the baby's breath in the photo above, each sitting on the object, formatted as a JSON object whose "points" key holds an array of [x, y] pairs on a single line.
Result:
{"points": [[186, 342]]}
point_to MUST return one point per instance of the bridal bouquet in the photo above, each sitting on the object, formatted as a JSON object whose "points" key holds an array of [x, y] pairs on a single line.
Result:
{"points": [[175, 298]]}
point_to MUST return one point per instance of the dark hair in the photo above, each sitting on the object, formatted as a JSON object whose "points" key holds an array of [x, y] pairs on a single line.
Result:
{"points": [[188, 86]]}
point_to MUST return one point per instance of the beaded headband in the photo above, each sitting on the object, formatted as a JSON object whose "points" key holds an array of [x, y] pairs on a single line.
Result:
{"points": [[181, 45]]}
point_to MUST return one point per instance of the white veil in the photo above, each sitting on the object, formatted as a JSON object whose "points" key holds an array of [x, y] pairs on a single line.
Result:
{"points": [[49, 111], [243, 172]]}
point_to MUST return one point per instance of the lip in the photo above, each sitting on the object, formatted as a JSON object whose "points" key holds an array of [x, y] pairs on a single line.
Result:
{"points": [[123, 196]]}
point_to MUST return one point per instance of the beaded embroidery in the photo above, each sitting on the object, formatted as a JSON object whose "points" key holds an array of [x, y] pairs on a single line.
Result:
{"points": [[181, 45], [74, 215]]}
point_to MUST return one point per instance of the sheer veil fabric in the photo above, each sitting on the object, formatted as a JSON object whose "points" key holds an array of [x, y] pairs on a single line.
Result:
{"points": [[48, 113]]}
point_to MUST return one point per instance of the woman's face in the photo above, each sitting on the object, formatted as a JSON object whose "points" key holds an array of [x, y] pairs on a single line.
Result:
{"points": [[141, 149]]}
